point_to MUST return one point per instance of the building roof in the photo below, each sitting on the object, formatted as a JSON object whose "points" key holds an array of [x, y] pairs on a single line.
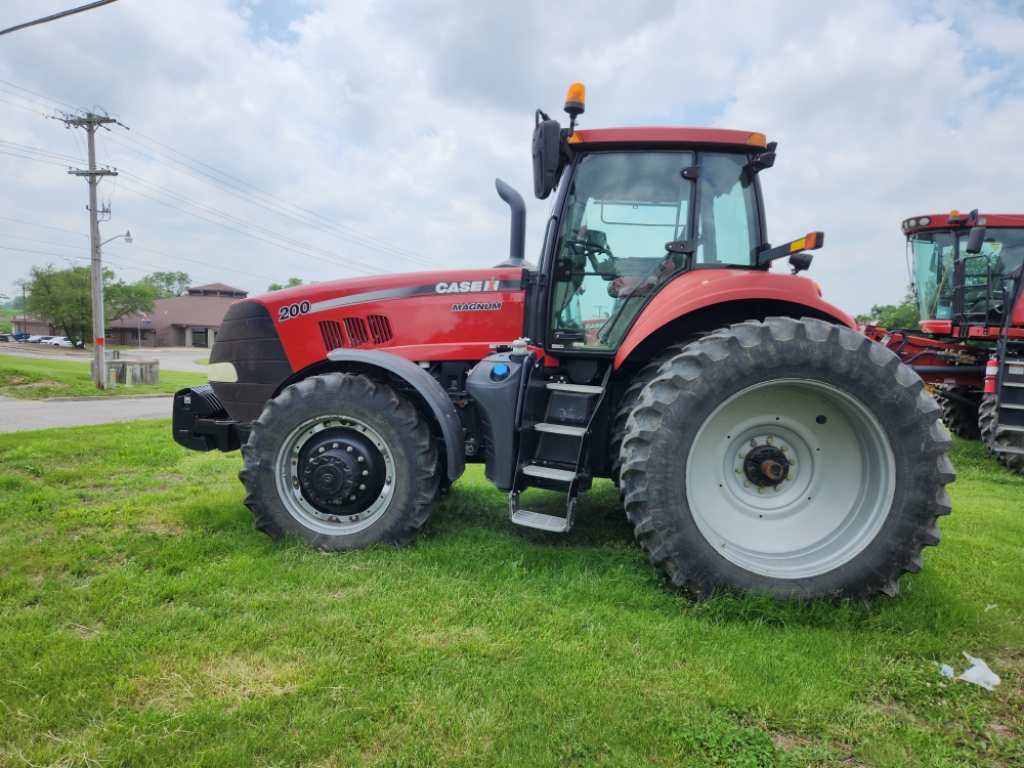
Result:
{"points": [[196, 310], [662, 135], [217, 289]]}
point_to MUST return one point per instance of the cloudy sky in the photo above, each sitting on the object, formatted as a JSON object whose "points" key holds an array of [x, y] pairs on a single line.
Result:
{"points": [[324, 139]]}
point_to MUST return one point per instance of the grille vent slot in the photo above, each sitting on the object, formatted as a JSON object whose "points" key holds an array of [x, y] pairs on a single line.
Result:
{"points": [[355, 329], [331, 331], [380, 329]]}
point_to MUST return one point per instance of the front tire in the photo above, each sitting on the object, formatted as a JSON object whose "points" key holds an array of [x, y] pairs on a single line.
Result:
{"points": [[796, 458], [341, 462], [959, 418], [986, 423]]}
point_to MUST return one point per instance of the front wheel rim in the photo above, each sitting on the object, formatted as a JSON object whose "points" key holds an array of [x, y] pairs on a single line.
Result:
{"points": [[327, 518], [790, 478]]}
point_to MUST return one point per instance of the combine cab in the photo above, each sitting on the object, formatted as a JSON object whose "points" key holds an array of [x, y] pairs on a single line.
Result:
{"points": [[759, 441], [965, 270]]}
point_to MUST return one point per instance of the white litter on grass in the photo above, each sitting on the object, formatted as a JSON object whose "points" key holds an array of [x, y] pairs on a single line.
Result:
{"points": [[978, 673], [947, 671]]}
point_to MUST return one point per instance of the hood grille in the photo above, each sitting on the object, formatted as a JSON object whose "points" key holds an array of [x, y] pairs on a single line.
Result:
{"points": [[375, 330], [380, 329]]}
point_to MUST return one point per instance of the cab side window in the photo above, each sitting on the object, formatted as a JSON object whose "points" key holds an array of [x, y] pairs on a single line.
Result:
{"points": [[728, 227]]}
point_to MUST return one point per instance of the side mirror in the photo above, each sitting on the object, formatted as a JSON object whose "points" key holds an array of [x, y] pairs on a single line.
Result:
{"points": [[547, 137], [976, 239]]}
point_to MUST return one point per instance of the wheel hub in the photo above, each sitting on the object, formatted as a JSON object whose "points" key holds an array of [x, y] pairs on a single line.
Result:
{"points": [[340, 471], [766, 465]]}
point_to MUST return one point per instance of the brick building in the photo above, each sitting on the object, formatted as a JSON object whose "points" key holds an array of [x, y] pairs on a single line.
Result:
{"points": [[191, 320]]}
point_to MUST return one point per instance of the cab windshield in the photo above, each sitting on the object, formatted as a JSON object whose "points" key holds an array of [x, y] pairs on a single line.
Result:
{"points": [[621, 210], [933, 254]]}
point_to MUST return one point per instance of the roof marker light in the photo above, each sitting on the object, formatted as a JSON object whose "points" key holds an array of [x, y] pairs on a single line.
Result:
{"points": [[912, 223], [758, 140], [924, 222]]}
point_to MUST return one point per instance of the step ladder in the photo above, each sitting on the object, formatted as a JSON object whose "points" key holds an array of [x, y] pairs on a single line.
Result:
{"points": [[1009, 421], [554, 442]]}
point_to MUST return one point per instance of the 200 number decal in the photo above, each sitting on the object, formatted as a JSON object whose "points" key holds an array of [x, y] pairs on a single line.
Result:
{"points": [[289, 311]]}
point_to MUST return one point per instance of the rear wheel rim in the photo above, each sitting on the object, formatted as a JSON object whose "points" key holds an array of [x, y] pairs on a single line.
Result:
{"points": [[834, 495], [331, 519]]}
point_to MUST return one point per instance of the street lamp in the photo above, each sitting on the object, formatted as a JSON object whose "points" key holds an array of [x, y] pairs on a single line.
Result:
{"points": [[99, 320]]}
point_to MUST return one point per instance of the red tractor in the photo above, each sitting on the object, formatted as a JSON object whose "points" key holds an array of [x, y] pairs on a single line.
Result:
{"points": [[758, 440], [965, 270]]}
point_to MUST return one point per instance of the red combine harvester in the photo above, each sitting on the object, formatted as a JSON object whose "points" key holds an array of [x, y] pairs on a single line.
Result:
{"points": [[759, 441], [965, 270]]}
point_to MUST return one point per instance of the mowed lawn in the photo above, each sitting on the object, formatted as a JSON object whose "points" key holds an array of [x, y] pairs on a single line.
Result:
{"points": [[33, 378], [144, 622]]}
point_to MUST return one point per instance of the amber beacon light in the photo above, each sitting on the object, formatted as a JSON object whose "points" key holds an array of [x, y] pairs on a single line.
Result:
{"points": [[575, 100]]}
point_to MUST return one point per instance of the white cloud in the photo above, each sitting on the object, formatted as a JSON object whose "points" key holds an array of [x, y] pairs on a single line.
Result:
{"points": [[394, 118]]}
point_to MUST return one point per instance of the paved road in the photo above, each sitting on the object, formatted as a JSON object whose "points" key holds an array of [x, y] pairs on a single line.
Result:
{"points": [[171, 358], [19, 415]]}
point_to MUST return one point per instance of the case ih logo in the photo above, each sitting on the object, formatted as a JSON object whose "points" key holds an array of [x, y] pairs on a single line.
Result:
{"points": [[476, 286]]}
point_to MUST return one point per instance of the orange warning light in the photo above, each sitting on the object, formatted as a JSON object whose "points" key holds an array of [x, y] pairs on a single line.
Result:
{"points": [[575, 100]]}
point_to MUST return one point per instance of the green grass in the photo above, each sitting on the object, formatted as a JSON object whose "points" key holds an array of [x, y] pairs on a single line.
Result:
{"points": [[202, 361], [143, 621], [32, 378]]}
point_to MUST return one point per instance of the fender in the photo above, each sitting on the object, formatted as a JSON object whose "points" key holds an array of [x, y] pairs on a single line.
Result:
{"points": [[428, 388], [701, 288]]}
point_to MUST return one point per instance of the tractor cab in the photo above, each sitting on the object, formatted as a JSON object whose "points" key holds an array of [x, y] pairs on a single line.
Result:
{"points": [[959, 266]]}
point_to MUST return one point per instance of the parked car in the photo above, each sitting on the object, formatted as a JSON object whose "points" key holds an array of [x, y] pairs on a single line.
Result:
{"points": [[20, 336], [38, 339], [4, 337], [58, 341]]}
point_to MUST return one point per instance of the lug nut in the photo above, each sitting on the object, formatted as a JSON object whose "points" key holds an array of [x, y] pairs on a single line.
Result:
{"points": [[790, 477], [743, 455], [753, 443], [761, 489], [739, 471], [366, 472], [335, 445], [770, 441], [361, 458], [352, 497], [362, 487], [792, 462], [321, 450], [778, 488], [785, 448], [349, 449], [746, 483]]}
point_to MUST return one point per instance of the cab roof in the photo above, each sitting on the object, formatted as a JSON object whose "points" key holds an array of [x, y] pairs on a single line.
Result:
{"points": [[665, 135], [938, 221]]}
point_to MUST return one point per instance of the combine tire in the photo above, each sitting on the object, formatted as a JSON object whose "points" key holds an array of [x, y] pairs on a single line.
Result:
{"points": [[960, 418], [341, 462], [796, 458], [986, 421], [632, 396]]}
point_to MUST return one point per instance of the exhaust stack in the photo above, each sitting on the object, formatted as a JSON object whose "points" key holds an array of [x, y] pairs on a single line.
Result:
{"points": [[517, 238]]}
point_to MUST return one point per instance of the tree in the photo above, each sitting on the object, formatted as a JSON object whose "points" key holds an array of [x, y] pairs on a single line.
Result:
{"points": [[905, 315], [292, 283], [63, 297], [121, 298], [168, 283]]}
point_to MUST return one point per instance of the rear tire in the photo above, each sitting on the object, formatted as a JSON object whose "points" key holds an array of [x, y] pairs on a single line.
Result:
{"points": [[341, 462], [857, 451], [631, 397], [959, 418], [986, 423]]}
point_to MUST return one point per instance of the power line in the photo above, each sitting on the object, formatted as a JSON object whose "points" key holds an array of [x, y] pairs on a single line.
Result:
{"points": [[134, 247], [41, 96], [54, 16], [376, 245], [273, 197]]}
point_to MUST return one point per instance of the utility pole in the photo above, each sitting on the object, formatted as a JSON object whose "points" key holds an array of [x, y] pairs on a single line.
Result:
{"points": [[91, 122]]}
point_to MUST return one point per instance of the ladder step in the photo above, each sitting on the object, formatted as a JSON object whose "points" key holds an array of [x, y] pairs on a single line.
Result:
{"points": [[583, 389], [1012, 406], [1005, 384], [540, 522], [565, 429], [549, 473], [1000, 429], [1007, 449]]}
